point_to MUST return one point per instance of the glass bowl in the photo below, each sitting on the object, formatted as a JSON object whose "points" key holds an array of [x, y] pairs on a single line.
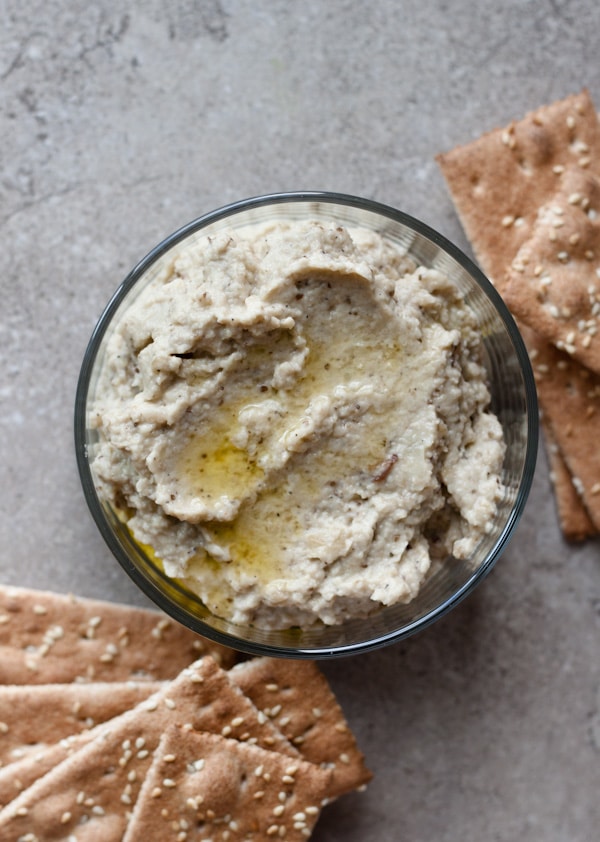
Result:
{"points": [[513, 400]]}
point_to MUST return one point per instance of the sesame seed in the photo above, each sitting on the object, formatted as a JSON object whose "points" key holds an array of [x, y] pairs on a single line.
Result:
{"points": [[287, 779], [586, 341], [125, 798], [272, 830], [554, 311], [507, 221], [40, 609], [156, 792], [311, 811], [570, 121], [237, 721], [142, 754], [169, 758], [595, 489], [558, 169], [3, 728], [22, 811], [584, 161], [226, 730], [259, 793], [278, 810], [273, 688], [169, 783], [574, 198], [344, 758]]}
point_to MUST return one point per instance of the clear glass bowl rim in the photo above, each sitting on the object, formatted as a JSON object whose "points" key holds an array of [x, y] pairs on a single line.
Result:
{"points": [[80, 426]]}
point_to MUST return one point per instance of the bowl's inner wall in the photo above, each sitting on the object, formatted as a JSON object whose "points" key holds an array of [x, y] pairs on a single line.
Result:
{"points": [[510, 400]]}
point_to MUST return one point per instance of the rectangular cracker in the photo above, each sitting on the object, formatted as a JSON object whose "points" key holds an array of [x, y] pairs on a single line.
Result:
{"points": [[499, 180], [297, 697], [573, 517], [48, 638], [98, 784], [569, 396], [35, 716], [204, 786], [553, 283]]}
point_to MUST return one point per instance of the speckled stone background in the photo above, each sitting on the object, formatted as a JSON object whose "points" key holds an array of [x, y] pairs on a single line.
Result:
{"points": [[122, 121]]}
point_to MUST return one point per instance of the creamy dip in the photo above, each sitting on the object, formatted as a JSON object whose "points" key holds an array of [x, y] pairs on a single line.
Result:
{"points": [[293, 418]]}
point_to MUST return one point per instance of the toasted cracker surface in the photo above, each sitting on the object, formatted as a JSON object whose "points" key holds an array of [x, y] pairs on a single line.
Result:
{"points": [[206, 787], [296, 696], [35, 716], [21, 774], [98, 784], [553, 283], [499, 180], [575, 522], [54, 638], [569, 396]]}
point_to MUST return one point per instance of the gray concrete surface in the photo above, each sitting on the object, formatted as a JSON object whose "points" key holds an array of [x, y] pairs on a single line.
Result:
{"points": [[122, 121]]}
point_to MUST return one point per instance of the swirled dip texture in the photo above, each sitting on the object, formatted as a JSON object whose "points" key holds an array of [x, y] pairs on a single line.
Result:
{"points": [[294, 418]]}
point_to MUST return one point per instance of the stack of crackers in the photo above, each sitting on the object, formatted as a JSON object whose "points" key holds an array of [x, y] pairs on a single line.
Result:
{"points": [[528, 196], [118, 724]]}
